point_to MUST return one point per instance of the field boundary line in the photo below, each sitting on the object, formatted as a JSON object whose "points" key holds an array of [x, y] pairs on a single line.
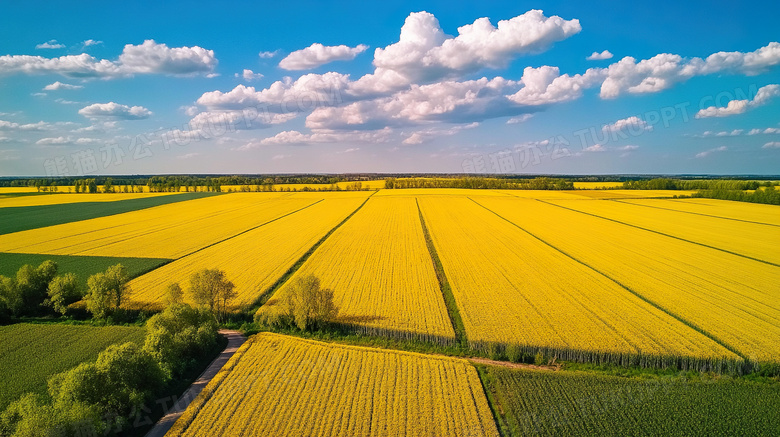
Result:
{"points": [[444, 283], [627, 288], [661, 233], [273, 288], [247, 230], [694, 213]]}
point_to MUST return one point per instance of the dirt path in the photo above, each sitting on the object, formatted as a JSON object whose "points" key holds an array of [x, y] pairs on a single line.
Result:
{"points": [[513, 365], [235, 340]]}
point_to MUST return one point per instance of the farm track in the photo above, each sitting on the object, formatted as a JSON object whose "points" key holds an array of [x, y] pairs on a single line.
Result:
{"points": [[235, 340]]}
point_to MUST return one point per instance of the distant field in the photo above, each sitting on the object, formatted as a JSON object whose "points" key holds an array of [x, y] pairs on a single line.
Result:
{"points": [[61, 198], [168, 231], [371, 185], [283, 386], [82, 266], [536, 403], [254, 260], [596, 185], [16, 219], [749, 239], [513, 289], [30, 354], [730, 298], [381, 272], [750, 212]]}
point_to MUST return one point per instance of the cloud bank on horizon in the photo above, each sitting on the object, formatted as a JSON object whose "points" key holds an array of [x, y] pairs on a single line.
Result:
{"points": [[421, 93]]}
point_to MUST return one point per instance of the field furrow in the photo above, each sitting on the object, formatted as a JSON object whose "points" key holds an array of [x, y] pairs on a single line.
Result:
{"points": [[379, 267]]}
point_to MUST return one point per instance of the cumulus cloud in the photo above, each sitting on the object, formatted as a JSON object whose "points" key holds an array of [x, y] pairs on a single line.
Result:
{"points": [[545, 85], [771, 145], [115, 110], [665, 70], [734, 107], [322, 136], [249, 75], [62, 141], [40, 126], [631, 124], [596, 56], [595, 148], [521, 119], [147, 58], [90, 42], [424, 53], [706, 153], [51, 44], [61, 86], [268, 55], [317, 55]]}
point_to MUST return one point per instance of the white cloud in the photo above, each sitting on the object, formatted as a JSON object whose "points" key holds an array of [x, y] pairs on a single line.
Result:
{"points": [[735, 107], [68, 102], [631, 124], [40, 126], [61, 86], [51, 44], [249, 75], [711, 151], [278, 157], [425, 135], [596, 56], [267, 55], [317, 55], [4, 139], [61, 141], [595, 148], [627, 148], [424, 53], [771, 145], [115, 110], [90, 42], [545, 85], [323, 136], [521, 119], [190, 110], [188, 155], [350, 150], [147, 58], [664, 70]]}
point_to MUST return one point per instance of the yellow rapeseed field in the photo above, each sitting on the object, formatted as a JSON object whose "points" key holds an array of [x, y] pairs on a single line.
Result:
{"points": [[57, 199], [629, 194], [284, 386], [749, 239], [379, 267], [254, 260], [513, 289], [596, 185], [166, 231], [752, 212], [731, 298]]}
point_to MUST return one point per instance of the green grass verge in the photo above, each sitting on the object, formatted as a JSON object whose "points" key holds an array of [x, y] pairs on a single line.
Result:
{"points": [[532, 402], [22, 218], [82, 266], [30, 353]]}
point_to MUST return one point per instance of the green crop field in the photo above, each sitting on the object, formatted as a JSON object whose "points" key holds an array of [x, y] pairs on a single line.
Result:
{"points": [[82, 266], [532, 402], [22, 218], [30, 354]]}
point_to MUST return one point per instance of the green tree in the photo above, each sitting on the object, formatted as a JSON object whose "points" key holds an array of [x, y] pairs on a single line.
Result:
{"points": [[122, 379], [173, 294], [63, 291], [33, 416], [92, 186], [179, 336], [108, 186], [25, 293], [307, 305], [106, 290], [210, 288]]}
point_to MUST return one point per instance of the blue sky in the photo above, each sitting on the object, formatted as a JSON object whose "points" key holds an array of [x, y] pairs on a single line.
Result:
{"points": [[487, 87]]}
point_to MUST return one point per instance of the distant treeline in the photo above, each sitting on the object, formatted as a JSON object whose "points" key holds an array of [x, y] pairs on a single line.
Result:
{"points": [[171, 181], [543, 183], [696, 184], [768, 195]]}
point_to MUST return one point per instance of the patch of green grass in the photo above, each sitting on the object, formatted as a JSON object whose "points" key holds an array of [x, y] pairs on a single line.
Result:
{"points": [[82, 266], [572, 403], [22, 218], [30, 354]]}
